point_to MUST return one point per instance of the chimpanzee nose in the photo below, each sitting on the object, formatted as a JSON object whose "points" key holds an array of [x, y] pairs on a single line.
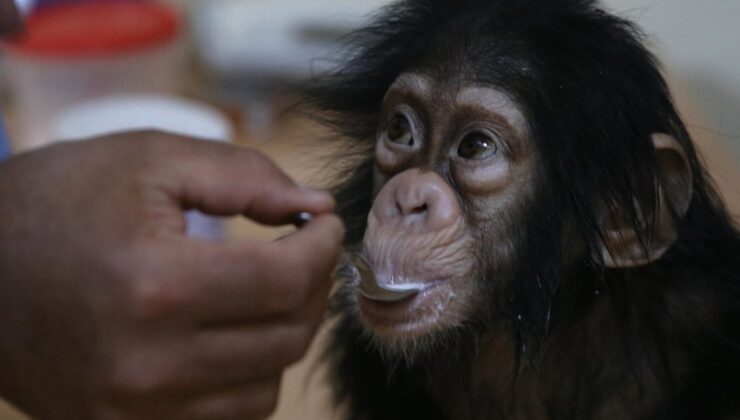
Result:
{"points": [[417, 201]]}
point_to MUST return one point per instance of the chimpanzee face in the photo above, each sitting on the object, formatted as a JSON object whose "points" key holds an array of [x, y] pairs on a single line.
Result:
{"points": [[455, 172], [452, 166]]}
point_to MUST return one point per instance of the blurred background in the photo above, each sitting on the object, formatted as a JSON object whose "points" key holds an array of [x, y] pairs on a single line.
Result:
{"points": [[221, 69]]}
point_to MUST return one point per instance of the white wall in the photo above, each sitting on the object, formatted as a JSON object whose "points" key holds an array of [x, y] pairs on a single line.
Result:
{"points": [[699, 45]]}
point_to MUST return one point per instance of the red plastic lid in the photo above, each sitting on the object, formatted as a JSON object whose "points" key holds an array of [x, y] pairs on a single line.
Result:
{"points": [[97, 28]]}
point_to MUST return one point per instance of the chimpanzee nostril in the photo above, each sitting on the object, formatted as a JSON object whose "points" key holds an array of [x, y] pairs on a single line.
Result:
{"points": [[420, 209]]}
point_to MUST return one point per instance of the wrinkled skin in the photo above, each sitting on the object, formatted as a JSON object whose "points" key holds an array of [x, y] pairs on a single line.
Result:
{"points": [[449, 175], [409, 243]]}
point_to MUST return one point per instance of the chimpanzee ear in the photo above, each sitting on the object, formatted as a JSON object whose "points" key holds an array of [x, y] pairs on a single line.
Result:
{"points": [[623, 247]]}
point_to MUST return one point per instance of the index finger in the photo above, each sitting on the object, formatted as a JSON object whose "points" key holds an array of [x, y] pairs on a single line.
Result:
{"points": [[224, 180]]}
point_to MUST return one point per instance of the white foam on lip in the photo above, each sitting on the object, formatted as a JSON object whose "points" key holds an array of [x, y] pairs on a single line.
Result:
{"points": [[374, 290], [403, 287], [400, 284]]}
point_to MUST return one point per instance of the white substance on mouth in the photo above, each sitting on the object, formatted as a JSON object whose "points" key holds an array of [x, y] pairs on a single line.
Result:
{"points": [[403, 287], [372, 289]]}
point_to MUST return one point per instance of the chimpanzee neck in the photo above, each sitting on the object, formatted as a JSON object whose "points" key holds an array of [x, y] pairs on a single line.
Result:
{"points": [[649, 343], [601, 364]]}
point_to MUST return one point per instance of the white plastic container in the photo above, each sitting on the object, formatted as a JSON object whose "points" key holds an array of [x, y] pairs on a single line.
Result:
{"points": [[79, 51], [139, 112]]}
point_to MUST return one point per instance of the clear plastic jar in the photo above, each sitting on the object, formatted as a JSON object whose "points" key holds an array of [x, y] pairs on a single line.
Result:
{"points": [[80, 51]]}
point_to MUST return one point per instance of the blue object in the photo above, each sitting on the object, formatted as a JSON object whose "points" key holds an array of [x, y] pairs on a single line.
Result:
{"points": [[4, 142]]}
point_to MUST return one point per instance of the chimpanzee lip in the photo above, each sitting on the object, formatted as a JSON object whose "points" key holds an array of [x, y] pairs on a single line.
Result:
{"points": [[386, 289], [406, 315], [383, 287], [420, 288], [391, 304]]}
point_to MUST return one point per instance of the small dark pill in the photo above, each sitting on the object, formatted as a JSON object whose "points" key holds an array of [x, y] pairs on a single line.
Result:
{"points": [[302, 218]]}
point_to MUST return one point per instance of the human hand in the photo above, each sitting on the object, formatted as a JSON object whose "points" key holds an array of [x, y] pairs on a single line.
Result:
{"points": [[107, 309]]}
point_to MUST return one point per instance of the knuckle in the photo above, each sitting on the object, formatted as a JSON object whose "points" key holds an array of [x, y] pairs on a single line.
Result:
{"points": [[259, 163], [150, 288], [138, 293], [153, 298], [156, 147]]}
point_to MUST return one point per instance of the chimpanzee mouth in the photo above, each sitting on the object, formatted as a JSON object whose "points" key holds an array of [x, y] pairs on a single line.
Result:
{"points": [[389, 292], [407, 313], [397, 304], [382, 291]]}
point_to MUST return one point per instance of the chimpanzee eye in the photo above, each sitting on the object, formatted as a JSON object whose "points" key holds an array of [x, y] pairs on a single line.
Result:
{"points": [[399, 130], [477, 146]]}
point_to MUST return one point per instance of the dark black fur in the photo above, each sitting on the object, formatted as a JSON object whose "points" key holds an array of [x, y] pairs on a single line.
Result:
{"points": [[592, 95]]}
